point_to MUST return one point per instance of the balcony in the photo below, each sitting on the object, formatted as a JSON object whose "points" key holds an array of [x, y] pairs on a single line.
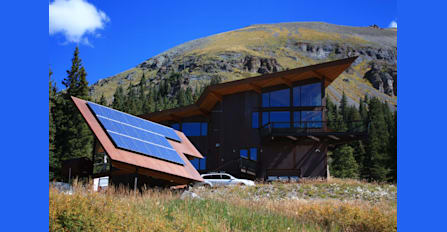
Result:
{"points": [[247, 166], [334, 130]]}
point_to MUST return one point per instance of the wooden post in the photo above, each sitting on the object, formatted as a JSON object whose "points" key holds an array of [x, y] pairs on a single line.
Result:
{"points": [[136, 181], [93, 158], [69, 175]]}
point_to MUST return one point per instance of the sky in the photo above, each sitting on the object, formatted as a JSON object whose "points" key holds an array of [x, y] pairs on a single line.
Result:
{"points": [[114, 36]]}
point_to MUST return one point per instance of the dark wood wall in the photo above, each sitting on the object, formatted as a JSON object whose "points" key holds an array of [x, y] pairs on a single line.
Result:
{"points": [[286, 158], [230, 129]]}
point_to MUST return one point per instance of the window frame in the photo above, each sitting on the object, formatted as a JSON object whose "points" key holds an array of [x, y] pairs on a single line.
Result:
{"points": [[247, 154], [266, 96], [201, 131]]}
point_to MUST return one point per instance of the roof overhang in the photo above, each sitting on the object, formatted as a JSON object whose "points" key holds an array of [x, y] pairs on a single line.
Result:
{"points": [[327, 71], [134, 162]]}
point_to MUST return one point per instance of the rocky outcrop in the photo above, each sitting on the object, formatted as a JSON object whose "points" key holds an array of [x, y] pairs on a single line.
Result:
{"points": [[225, 62], [383, 77], [261, 65], [323, 51]]}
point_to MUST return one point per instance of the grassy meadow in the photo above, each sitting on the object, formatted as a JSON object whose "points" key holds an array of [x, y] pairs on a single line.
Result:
{"points": [[333, 205]]}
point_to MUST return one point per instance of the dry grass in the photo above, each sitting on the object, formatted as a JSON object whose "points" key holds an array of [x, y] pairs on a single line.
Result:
{"points": [[238, 209], [121, 210]]}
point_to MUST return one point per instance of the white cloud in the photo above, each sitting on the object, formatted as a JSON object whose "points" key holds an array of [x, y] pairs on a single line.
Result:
{"points": [[393, 24], [75, 19]]}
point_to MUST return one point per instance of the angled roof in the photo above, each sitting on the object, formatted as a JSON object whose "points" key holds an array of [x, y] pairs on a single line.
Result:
{"points": [[180, 174], [328, 71]]}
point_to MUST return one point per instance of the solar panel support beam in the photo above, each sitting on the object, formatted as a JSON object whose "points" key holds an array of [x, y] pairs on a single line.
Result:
{"points": [[136, 181]]}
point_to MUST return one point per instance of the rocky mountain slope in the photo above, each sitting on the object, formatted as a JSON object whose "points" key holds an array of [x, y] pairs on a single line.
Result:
{"points": [[260, 49]]}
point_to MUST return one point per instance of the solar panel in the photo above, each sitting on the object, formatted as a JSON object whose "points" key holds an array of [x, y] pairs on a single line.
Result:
{"points": [[135, 121], [136, 134]]}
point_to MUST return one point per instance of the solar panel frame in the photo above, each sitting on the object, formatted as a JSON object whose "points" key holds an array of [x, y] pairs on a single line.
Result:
{"points": [[138, 135], [133, 120], [145, 148], [134, 132]]}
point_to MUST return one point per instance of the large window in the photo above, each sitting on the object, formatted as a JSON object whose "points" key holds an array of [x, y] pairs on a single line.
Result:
{"points": [[254, 153], [199, 164], [195, 128], [279, 119], [255, 120], [312, 119], [204, 129], [307, 95], [278, 98], [265, 118], [251, 153], [243, 153], [297, 119]]}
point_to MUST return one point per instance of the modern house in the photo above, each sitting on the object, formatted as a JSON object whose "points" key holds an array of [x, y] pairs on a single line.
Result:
{"points": [[133, 151], [269, 126]]}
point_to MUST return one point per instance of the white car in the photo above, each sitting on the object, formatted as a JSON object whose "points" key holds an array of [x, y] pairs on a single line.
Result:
{"points": [[221, 179]]}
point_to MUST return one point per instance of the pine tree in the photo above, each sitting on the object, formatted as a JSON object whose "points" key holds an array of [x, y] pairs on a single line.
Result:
{"points": [[118, 99], [359, 154], [331, 113], [344, 164], [53, 161], [102, 100], [392, 159], [363, 110], [375, 167], [182, 97], [131, 100], [189, 96], [143, 105], [73, 137], [344, 108], [354, 119]]}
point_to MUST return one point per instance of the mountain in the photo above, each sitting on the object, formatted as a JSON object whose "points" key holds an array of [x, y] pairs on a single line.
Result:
{"points": [[266, 48]]}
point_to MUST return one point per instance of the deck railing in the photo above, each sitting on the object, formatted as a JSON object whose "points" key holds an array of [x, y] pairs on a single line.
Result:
{"points": [[311, 127]]}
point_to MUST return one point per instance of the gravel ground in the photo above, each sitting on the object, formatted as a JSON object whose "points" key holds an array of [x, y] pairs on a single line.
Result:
{"points": [[305, 191]]}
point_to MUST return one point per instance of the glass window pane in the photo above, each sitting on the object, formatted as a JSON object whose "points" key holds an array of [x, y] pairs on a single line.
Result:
{"points": [[280, 98], [254, 153], [175, 126], [297, 119], [280, 119], [296, 96], [255, 120], [195, 163], [265, 99], [311, 119], [225, 177], [204, 128], [311, 95], [203, 163], [243, 153], [191, 128], [265, 118]]}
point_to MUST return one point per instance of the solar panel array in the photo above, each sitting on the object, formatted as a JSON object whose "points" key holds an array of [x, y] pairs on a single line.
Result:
{"points": [[136, 134]]}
